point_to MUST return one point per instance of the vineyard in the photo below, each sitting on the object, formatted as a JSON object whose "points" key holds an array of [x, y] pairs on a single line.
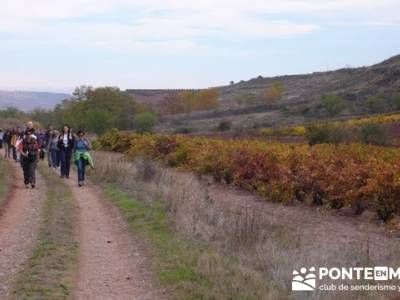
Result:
{"points": [[301, 130], [360, 177]]}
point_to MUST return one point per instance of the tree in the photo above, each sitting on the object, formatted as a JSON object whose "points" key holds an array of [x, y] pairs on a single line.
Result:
{"points": [[333, 104], [144, 121], [95, 110], [12, 112], [326, 133], [225, 125], [206, 100], [373, 134], [274, 92], [172, 104], [375, 104], [188, 99], [199, 100], [395, 101], [43, 116], [82, 92]]}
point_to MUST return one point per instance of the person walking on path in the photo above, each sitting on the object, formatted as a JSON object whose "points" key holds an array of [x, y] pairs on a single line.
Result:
{"points": [[48, 133], [13, 141], [29, 128], [18, 143], [52, 149], [29, 150], [16, 140], [82, 156], [6, 143], [66, 142], [1, 138], [41, 138]]}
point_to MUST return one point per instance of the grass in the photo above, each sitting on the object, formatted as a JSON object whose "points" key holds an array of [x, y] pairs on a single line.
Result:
{"points": [[6, 179], [209, 251], [190, 270], [49, 273]]}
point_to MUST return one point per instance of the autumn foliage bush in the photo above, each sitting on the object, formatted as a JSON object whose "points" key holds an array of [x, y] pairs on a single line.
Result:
{"points": [[302, 130], [352, 175]]}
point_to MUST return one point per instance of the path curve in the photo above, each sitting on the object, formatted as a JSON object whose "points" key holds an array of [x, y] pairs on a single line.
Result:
{"points": [[111, 264], [19, 227]]}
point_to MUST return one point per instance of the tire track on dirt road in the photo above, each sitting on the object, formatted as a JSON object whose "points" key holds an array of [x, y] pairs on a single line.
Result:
{"points": [[111, 264], [19, 225]]}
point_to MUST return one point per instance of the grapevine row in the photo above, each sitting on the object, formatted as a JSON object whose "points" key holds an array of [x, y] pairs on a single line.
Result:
{"points": [[348, 175]]}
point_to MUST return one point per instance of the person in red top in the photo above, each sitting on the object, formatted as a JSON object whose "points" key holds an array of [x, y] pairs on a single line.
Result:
{"points": [[29, 150]]}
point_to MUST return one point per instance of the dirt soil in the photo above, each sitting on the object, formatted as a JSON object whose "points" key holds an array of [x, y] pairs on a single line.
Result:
{"points": [[19, 226], [112, 264]]}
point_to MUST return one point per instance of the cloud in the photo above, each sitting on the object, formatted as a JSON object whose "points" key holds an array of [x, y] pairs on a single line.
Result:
{"points": [[176, 24], [153, 19], [73, 8]]}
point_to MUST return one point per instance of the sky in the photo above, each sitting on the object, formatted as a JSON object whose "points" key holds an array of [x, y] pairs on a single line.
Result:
{"points": [[56, 45]]}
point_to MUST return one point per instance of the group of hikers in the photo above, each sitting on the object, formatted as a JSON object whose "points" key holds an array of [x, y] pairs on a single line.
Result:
{"points": [[28, 146]]}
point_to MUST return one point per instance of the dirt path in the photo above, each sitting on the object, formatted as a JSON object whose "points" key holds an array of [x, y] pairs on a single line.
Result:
{"points": [[111, 264], [19, 224]]}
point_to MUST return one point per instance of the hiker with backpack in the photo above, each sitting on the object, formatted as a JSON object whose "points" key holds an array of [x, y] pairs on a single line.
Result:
{"points": [[82, 156], [66, 142], [41, 138], [52, 150], [29, 128], [29, 153]]}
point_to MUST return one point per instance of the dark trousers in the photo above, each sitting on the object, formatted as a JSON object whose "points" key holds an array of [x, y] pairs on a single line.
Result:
{"points": [[81, 164], [29, 168], [54, 158], [7, 150], [65, 160], [14, 153]]}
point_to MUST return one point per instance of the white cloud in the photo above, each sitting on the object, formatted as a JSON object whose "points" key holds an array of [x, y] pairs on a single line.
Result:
{"points": [[179, 19], [70, 8], [181, 22]]}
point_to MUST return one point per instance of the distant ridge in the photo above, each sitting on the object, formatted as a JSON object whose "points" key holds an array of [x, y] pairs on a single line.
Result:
{"points": [[354, 84], [26, 100]]}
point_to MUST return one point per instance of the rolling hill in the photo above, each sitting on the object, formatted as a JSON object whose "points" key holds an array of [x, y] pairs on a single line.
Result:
{"points": [[26, 101], [352, 83], [243, 104]]}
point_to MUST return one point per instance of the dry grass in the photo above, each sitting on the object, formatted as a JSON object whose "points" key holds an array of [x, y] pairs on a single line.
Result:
{"points": [[49, 273], [261, 251], [6, 180]]}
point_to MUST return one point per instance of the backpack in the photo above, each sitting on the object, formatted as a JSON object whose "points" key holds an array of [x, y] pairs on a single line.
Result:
{"points": [[32, 151]]}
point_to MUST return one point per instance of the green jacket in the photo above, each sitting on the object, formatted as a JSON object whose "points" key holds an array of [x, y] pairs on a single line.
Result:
{"points": [[85, 155]]}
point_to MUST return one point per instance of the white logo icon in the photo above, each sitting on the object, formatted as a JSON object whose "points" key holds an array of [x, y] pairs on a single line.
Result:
{"points": [[381, 273], [305, 280]]}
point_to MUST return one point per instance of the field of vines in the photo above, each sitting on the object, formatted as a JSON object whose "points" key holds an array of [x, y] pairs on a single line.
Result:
{"points": [[301, 130], [356, 176]]}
